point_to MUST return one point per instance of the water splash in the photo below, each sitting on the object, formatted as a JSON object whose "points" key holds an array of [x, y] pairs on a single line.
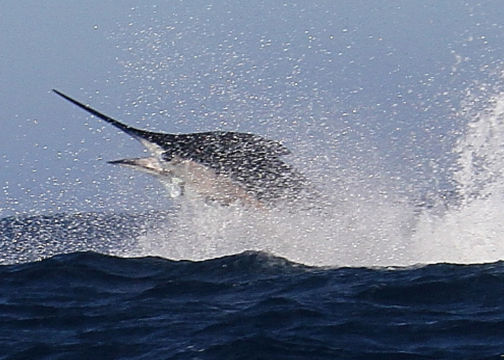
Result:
{"points": [[481, 151], [365, 223], [351, 233], [471, 231]]}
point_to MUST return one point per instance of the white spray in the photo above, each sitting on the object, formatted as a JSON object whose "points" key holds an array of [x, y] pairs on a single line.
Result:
{"points": [[364, 222]]}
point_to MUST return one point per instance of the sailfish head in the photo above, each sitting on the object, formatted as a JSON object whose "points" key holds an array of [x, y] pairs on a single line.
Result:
{"points": [[156, 143]]}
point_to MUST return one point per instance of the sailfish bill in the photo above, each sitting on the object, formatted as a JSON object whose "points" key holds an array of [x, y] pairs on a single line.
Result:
{"points": [[219, 166]]}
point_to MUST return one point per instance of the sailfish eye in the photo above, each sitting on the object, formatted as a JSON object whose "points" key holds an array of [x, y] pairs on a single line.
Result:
{"points": [[167, 156]]}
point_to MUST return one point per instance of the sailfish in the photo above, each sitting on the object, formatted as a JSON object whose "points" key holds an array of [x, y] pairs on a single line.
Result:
{"points": [[221, 167]]}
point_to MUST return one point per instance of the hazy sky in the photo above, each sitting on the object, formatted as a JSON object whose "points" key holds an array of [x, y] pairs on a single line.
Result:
{"points": [[370, 85]]}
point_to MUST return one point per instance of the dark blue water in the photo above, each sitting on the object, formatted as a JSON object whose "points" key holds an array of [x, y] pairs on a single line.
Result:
{"points": [[86, 305]]}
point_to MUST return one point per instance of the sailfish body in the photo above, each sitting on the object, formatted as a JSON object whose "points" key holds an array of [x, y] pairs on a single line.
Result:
{"points": [[219, 166]]}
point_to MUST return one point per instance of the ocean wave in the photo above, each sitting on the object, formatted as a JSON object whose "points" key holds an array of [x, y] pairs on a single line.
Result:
{"points": [[250, 305]]}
